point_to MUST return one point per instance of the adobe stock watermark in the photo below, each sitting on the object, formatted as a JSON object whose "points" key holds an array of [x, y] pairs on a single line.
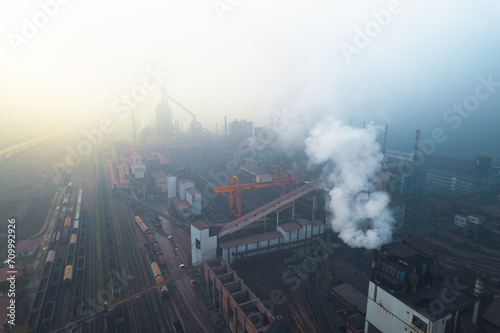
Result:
{"points": [[363, 36], [454, 115], [222, 7], [30, 26], [123, 108]]}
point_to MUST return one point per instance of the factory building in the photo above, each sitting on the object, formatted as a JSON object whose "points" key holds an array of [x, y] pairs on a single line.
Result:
{"points": [[182, 186], [409, 292], [238, 306], [26, 248], [397, 208], [449, 183], [287, 236], [203, 241], [159, 179], [171, 186]]}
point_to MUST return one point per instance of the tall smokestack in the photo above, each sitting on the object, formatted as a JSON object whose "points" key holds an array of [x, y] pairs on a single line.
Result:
{"points": [[225, 126], [385, 140], [417, 142], [133, 129]]}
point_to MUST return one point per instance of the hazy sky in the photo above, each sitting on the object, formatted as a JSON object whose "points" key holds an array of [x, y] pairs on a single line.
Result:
{"points": [[250, 59]]}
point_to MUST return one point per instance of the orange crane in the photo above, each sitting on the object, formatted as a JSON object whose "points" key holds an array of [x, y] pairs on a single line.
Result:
{"points": [[235, 188]]}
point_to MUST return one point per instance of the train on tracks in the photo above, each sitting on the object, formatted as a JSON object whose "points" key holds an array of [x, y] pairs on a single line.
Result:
{"points": [[65, 231], [159, 279], [68, 274], [151, 239]]}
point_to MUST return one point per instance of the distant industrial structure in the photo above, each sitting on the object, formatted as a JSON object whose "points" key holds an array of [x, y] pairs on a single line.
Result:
{"points": [[191, 176]]}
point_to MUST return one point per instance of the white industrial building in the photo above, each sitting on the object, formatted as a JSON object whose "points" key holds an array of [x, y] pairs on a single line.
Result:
{"points": [[182, 186], [409, 292], [287, 236], [171, 186], [472, 220], [203, 241], [193, 196]]}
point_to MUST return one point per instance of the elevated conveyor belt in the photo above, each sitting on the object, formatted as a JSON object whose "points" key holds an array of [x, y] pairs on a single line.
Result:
{"points": [[267, 209]]}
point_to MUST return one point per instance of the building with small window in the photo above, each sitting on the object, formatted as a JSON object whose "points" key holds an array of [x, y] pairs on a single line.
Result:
{"points": [[203, 241], [26, 248], [398, 212], [159, 179], [410, 292]]}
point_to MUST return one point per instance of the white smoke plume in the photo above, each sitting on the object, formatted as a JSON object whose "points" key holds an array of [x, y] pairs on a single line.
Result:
{"points": [[352, 160]]}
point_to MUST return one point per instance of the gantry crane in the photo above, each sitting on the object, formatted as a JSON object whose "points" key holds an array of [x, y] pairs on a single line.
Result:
{"points": [[235, 188]]}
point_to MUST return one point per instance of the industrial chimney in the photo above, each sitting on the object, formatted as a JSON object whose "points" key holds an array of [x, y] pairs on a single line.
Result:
{"points": [[417, 142]]}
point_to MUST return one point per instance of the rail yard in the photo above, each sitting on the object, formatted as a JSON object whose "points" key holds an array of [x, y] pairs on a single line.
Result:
{"points": [[198, 237]]}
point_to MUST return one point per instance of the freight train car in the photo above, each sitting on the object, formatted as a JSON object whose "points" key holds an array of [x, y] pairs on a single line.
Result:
{"points": [[50, 257], [163, 291], [163, 288], [138, 220], [155, 269], [66, 229], [144, 228], [68, 274], [72, 240], [65, 204]]}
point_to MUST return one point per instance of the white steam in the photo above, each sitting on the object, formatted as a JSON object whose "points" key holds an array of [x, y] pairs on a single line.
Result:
{"points": [[352, 160]]}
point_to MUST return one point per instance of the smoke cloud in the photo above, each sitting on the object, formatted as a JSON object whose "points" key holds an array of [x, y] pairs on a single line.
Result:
{"points": [[351, 158]]}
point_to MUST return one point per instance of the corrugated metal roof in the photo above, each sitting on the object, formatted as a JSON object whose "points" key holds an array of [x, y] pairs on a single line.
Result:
{"points": [[158, 175], [161, 158], [251, 239], [351, 295], [180, 204], [400, 249], [26, 245], [192, 191], [419, 243], [201, 225]]}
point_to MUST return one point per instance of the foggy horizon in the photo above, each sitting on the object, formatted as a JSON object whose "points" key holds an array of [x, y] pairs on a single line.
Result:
{"points": [[251, 60]]}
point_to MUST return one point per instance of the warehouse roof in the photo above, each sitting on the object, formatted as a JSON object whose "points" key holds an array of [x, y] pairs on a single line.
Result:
{"points": [[192, 191], [419, 243], [201, 225], [351, 295], [180, 204], [251, 239], [161, 158], [157, 175], [26, 245], [400, 249]]}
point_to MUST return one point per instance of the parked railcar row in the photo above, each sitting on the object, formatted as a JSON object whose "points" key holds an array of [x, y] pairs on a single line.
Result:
{"points": [[151, 239], [59, 265], [159, 254]]}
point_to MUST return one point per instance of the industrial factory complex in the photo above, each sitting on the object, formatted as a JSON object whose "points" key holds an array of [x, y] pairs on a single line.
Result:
{"points": [[181, 229]]}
